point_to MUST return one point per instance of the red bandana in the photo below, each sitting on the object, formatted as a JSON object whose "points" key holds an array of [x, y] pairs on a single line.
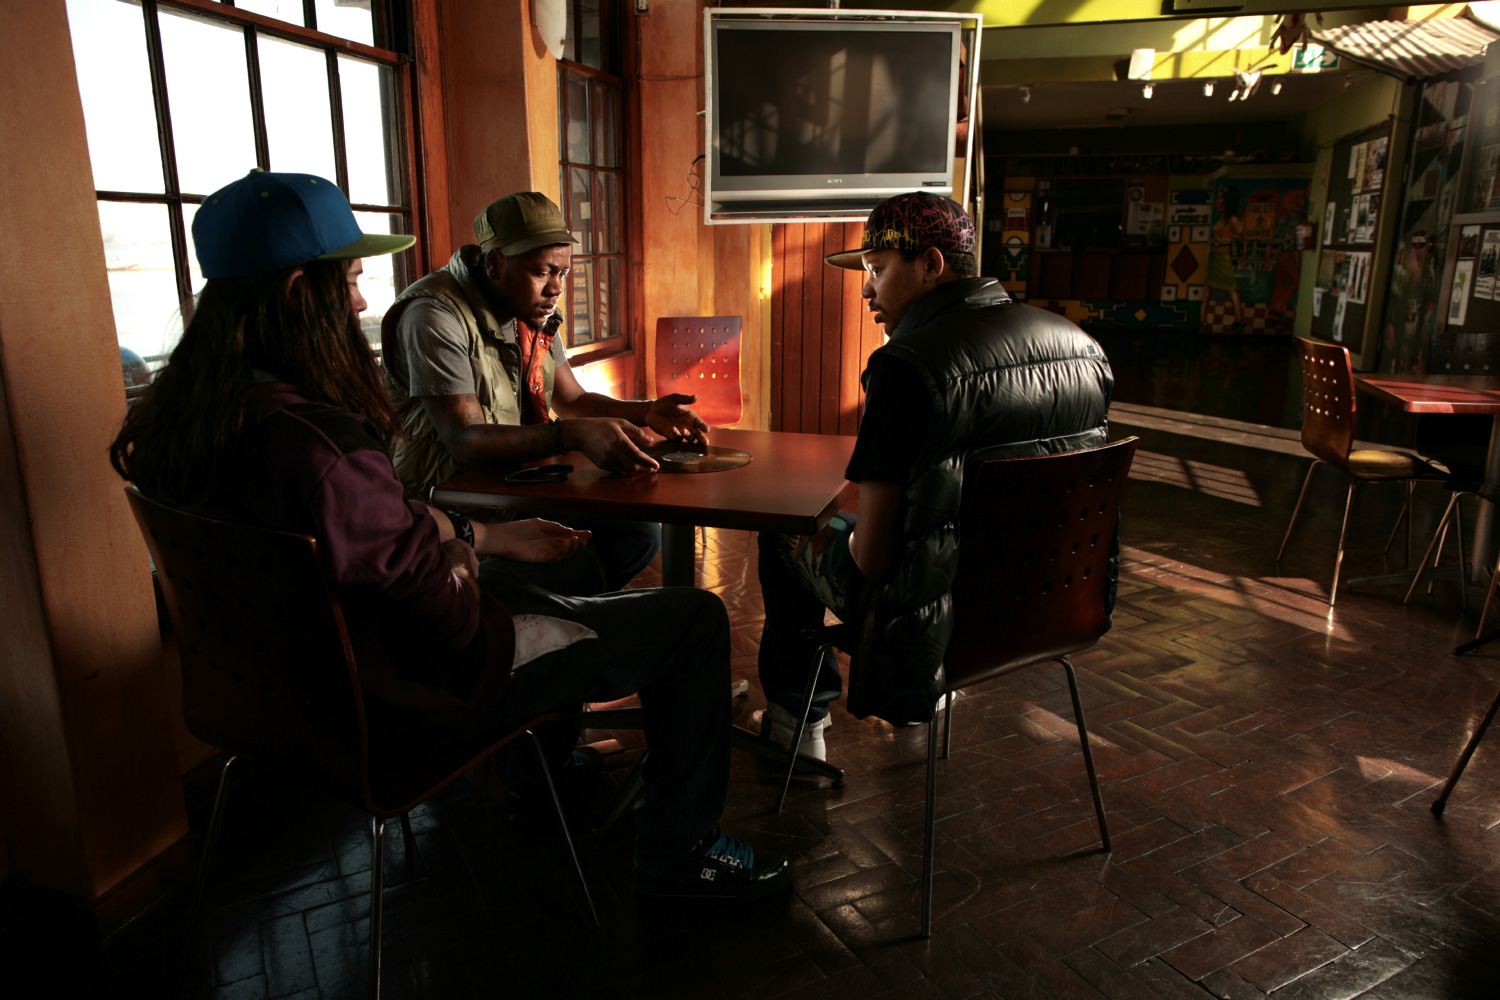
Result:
{"points": [[535, 345]]}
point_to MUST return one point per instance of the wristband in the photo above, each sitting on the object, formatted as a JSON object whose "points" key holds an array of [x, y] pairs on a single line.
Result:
{"points": [[557, 441], [461, 527]]}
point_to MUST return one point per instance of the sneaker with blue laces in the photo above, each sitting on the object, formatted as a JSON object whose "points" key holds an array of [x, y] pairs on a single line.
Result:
{"points": [[723, 867]]}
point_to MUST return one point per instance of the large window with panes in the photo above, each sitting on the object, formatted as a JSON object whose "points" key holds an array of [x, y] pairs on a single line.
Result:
{"points": [[180, 97], [590, 109]]}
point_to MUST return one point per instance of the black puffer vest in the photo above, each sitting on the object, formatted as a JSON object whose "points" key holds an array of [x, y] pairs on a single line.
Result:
{"points": [[1006, 380]]}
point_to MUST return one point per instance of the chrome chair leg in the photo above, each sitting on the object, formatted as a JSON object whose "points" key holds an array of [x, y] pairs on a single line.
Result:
{"points": [[826, 649], [541, 761], [377, 887], [1436, 543], [215, 821], [1463, 761], [1489, 598], [948, 725], [1296, 510], [1338, 560], [929, 829], [1088, 754], [1463, 569], [1402, 518]]}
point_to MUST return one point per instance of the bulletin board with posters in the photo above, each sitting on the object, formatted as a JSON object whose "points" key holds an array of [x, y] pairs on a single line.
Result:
{"points": [[1472, 272], [1350, 265]]}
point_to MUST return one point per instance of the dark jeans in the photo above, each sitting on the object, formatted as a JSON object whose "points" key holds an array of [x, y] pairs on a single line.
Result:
{"points": [[617, 552], [671, 646], [800, 577]]}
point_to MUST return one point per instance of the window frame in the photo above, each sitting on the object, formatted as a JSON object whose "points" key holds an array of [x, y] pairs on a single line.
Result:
{"points": [[618, 46], [399, 103]]}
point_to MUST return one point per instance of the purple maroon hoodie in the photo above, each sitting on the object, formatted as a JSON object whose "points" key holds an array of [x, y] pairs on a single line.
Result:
{"points": [[430, 653]]}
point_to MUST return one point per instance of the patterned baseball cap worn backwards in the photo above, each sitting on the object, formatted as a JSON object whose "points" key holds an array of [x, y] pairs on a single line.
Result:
{"points": [[913, 221]]}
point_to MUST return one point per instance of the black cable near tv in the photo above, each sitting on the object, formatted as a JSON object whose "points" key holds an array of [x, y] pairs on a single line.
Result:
{"points": [[821, 117]]}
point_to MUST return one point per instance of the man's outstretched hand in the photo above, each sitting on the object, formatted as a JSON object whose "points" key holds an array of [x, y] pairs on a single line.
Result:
{"points": [[673, 418], [612, 443]]}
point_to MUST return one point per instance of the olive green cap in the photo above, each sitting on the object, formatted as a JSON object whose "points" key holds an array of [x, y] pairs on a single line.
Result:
{"points": [[521, 222]]}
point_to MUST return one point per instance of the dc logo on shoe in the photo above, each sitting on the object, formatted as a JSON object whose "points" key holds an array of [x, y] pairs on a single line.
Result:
{"points": [[708, 874]]}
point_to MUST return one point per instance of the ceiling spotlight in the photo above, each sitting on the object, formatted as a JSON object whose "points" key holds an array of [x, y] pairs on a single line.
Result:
{"points": [[1147, 90], [1208, 89], [1276, 87], [1025, 95], [1234, 95]]}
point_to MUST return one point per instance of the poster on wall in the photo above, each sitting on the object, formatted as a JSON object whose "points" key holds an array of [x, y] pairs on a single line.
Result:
{"points": [[1489, 258], [1254, 267], [1329, 215], [1340, 310], [1458, 304], [1359, 276], [1374, 165], [1468, 242]]}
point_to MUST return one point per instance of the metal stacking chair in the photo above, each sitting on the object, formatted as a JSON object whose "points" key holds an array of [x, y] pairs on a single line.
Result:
{"points": [[1030, 589], [269, 674], [1328, 433], [701, 355]]}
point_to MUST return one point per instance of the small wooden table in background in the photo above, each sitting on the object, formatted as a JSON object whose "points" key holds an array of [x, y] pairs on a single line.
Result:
{"points": [[1453, 394]]}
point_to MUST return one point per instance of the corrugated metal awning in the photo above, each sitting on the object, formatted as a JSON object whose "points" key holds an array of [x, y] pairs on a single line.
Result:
{"points": [[1411, 49]]}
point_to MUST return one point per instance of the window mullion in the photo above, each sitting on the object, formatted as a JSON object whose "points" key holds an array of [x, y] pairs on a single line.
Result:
{"points": [[310, 14], [168, 158], [257, 99], [336, 117]]}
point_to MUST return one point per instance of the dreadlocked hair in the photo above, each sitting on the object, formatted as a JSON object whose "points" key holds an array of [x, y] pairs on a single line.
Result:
{"points": [[300, 328]]}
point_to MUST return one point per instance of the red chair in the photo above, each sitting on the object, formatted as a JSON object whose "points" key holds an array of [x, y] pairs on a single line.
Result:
{"points": [[1029, 589], [700, 355], [269, 675]]}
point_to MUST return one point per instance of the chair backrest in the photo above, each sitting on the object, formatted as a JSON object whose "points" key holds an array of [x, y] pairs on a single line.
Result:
{"points": [[1036, 535], [267, 667], [701, 355], [1327, 400]]}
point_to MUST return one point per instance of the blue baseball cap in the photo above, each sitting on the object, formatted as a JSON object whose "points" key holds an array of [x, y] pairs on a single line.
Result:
{"points": [[267, 221]]}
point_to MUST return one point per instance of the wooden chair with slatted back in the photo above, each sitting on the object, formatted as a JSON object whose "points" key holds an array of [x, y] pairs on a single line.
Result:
{"points": [[1030, 588], [1328, 409], [269, 674], [700, 355]]}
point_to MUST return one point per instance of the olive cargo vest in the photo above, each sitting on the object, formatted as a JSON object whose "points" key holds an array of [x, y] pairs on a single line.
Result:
{"points": [[420, 458], [1006, 380]]}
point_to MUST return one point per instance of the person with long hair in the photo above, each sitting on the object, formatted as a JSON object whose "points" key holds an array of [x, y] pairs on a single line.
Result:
{"points": [[271, 412]]}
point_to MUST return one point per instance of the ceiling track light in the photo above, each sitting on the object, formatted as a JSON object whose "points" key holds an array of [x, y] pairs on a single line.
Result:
{"points": [[1147, 90], [1025, 95], [1276, 87], [1208, 89]]}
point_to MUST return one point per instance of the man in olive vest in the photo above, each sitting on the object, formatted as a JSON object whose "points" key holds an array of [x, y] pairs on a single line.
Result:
{"points": [[475, 363]]}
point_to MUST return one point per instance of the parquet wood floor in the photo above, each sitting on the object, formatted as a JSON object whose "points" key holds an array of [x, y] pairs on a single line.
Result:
{"points": [[1267, 767]]}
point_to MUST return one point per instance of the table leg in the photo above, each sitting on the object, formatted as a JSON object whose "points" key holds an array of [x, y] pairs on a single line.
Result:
{"points": [[678, 555], [1482, 548]]}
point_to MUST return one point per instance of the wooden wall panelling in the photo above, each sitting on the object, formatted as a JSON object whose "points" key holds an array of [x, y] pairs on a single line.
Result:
{"points": [[812, 325], [832, 332], [790, 387]]}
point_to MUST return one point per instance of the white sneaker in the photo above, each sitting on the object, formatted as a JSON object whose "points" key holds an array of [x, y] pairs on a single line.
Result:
{"points": [[777, 724]]}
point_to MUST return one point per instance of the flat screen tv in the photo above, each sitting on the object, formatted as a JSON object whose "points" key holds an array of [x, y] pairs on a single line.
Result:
{"points": [[824, 117]]}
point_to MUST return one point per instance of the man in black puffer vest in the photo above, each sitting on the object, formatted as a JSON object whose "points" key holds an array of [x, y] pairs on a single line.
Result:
{"points": [[967, 373]]}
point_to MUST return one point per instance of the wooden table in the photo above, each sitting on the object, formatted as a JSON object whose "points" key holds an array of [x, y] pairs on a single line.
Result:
{"points": [[1452, 394], [791, 485]]}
